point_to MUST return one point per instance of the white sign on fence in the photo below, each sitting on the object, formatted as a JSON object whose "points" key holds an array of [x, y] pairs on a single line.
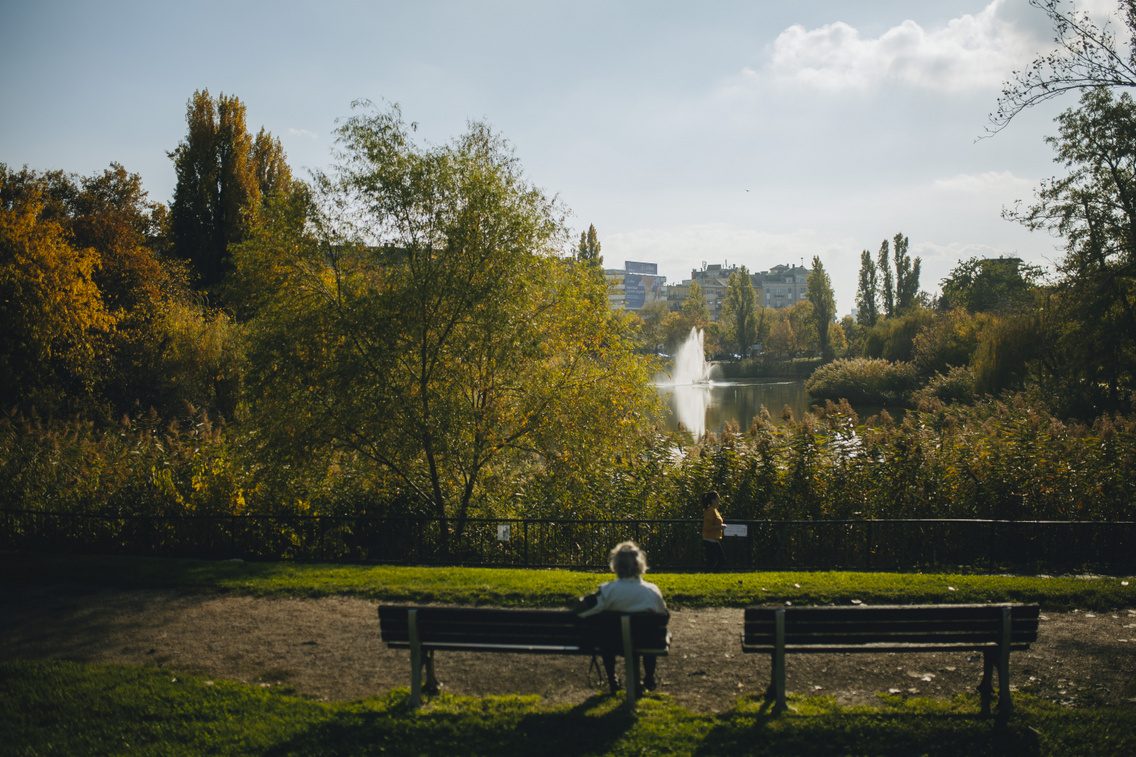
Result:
{"points": [[503, 532], [736, 529]]}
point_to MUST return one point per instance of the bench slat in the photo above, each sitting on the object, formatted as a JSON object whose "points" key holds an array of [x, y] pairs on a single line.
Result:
{"points": [[518, 631], [960, 625], [995, 630]]}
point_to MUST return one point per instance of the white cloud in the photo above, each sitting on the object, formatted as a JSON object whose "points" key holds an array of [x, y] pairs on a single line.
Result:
{"points": [[990, 182], [302, 133], [971, 52]]}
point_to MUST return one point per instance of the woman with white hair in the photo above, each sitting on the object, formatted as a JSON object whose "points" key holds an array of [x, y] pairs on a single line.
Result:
{"points": [[627, 593]]}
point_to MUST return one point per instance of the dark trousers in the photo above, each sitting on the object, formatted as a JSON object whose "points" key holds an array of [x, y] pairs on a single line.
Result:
{"points": [[715, 555], [649, 662]]}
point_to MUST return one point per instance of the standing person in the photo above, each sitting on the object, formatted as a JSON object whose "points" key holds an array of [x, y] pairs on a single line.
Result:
{"points": [[627, 593], [713, 526]]}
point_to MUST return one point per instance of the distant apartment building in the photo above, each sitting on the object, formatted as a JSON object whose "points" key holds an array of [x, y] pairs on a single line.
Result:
{"points": [[780, 287], [636, 285]]}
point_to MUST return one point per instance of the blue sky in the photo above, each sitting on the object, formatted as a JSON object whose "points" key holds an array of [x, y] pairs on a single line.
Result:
{"points": [[752, 133]]}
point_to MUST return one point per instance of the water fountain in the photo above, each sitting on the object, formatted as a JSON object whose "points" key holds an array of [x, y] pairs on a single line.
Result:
{"points": [[690, 365], [690, 379]]}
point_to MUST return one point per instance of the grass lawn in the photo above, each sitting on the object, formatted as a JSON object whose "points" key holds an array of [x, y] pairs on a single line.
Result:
{"points": [[553, 588], [63, 708], [67, 708]]}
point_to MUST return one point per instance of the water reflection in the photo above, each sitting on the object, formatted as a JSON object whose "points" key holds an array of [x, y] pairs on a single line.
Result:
{"points": [[709, 406]]}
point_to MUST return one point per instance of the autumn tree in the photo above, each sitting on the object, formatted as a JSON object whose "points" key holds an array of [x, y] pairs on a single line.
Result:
{"points": [[223, 176], [53, 314], [782, 339], [824, 305], [425, 322], [116, 326]]}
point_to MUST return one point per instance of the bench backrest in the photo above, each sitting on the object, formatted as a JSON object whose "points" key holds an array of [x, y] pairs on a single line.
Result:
{"points": [[890, 626], [553, 631]]}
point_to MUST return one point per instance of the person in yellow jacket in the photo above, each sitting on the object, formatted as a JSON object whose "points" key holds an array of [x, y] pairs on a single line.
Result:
{"points": [[713, 526]]}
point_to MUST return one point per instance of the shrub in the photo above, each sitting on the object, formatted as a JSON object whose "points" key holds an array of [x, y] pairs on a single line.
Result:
{"points": [[864, 381], [957, 386]]}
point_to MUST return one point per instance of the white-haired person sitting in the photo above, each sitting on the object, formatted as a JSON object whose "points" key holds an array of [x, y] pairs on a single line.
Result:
{"points": [[627, 593]]}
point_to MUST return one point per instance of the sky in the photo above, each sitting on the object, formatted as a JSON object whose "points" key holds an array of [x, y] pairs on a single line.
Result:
{"points": [[734, 132]]}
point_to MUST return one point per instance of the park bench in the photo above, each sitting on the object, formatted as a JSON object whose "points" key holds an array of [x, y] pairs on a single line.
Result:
{"points": [[993, 629], [425, 630]]}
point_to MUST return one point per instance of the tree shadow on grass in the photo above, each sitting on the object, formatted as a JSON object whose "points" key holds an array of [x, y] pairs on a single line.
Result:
{"points": [[464, 725], [831, 732]]}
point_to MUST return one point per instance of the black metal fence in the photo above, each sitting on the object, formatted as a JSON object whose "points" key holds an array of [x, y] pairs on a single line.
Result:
{"points": [[883, 545]]}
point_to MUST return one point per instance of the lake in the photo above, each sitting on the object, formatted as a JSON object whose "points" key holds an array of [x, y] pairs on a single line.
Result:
{"points": [[709, 406]]}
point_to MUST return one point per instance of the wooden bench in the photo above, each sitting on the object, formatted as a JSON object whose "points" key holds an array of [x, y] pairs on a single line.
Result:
{"points": [[994, 630], [425, 630]]}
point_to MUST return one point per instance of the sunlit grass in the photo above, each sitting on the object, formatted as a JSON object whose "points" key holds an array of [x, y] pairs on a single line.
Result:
{"points": [[552, 588], [63, 708]]}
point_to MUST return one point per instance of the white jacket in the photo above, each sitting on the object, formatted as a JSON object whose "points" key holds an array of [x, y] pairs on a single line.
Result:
{"points": [[627, 595]]}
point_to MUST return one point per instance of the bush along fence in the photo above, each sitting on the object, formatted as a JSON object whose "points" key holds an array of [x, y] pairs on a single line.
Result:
{"points": [[876, 545]]}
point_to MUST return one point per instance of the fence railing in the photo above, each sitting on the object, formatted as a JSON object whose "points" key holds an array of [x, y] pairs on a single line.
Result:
{"points": [[885, 545]]}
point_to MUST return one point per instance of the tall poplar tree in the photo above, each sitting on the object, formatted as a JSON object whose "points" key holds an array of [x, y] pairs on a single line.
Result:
{"points": [[741, 309], [223, 174], [906, 274], [588, 251], [887, 283], [868, 292], [824, 304]]}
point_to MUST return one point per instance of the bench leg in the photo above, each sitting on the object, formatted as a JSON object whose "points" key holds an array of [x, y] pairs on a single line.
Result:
{"points": [[986, 688], [431, 686], [1005, 703], [778, 683], [631, 665], [415, 659]]}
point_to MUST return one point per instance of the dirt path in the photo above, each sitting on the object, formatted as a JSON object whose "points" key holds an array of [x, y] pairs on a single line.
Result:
{"points": [[330, 649]]}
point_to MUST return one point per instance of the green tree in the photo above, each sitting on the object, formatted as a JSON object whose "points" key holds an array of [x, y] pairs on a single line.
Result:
{"points": [[654, 316], [802, 317], [853, 333], [694, 309], [741, 310], [1093, 208], [887, 282], [426, 324], [824, 305], [223, 174], [893, 339], [906, 274], [868, 292], [588, 251], [990, 285]]}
